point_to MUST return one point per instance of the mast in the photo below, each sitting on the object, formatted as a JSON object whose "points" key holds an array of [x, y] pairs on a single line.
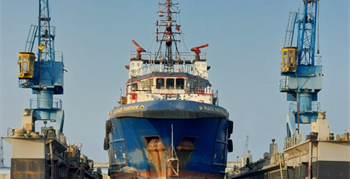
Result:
{"points": [[168, 35]]}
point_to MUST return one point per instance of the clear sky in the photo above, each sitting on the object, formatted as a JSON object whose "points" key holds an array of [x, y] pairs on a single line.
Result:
{"points": [[245, 39]]}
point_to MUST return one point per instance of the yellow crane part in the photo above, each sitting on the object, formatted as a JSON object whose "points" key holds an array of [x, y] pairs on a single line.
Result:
{"points": [[289, 59], [26, 62]]}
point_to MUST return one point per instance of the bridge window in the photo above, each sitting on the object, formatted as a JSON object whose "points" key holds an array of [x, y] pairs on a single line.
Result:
{"points": [[145, 84], [134, 87], [202, 88], [160, 83], [170, 83], [180, 83], [193, 86]]}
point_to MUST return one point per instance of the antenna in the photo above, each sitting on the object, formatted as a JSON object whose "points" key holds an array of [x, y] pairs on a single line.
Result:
{"points": [[246, 152], [80, 147], [172, 141]]}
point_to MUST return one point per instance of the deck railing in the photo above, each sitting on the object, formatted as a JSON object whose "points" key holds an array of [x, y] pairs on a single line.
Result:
{"points": [[183, 56]]}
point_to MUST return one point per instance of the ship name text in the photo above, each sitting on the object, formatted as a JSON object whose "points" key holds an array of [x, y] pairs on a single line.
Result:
{"points": [[126, 109], [214, 109]]}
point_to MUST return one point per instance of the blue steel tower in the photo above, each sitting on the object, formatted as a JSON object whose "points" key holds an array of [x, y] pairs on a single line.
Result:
{"points": [[302, 71], [44, 74]]}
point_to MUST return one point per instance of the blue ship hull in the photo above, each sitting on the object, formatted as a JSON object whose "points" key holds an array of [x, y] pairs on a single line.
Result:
{"points": [[141, 146]]}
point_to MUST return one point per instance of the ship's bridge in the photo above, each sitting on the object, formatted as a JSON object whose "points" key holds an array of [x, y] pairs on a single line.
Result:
{"points": [[165, 86], [152, 78]]}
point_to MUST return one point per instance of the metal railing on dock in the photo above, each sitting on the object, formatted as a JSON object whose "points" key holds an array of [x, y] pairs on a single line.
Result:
{"points": [[9, 132], [293, 140], [56, 103]]}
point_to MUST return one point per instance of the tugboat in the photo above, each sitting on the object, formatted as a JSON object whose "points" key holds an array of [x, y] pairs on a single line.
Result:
{"points": [[169, 124]]}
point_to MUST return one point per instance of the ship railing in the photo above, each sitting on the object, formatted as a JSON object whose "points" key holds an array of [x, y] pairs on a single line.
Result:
{"points": [[157, 68], [177, 68], [147, 89], [201, 91], [315, 107], [56, 103], [182, 56], [293, 140]]}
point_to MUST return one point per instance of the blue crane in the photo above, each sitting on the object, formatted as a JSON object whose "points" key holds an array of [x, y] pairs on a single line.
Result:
{"points": [[44, 74], [301, 68]]}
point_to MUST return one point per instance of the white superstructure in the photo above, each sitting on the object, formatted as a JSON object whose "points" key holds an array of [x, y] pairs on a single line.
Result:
{"points": [[150, 79]]}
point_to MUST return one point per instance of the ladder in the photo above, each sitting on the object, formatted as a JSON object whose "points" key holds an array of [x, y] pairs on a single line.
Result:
{"points": [[172, 168]]}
